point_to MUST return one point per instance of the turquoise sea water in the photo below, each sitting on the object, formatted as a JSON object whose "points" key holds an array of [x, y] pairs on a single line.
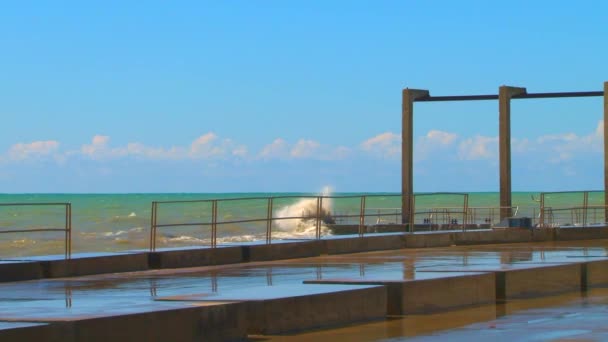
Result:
{"points": [[119, 222]]}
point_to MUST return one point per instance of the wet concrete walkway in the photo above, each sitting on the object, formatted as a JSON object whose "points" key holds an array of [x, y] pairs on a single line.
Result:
{"points": [[29, 304]]}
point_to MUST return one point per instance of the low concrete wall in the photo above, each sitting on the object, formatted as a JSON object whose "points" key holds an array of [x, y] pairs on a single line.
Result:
{"points": [[224, 322], [113, 263], [430, 295], [363, 244], [428, 240], [291, 314], [196, 257], [595, 274], [38, 332], [539, 281], [433, 295], [16, 271], [564, 234], [283, 250]]}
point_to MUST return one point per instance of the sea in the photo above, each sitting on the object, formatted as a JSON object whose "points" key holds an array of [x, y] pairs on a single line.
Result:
{"points": [[122, 222]]}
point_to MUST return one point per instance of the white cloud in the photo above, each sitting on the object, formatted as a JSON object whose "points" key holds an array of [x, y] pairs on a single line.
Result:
{"points": [[35, 149], [206, 147], [305, 149], [277, 149], [434, 140], [386, 145], [478, 147]]}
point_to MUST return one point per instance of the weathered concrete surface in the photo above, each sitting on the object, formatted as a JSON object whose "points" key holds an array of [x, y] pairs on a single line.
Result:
{"points": [[579, 233], [282, 250], [538, 281], [433, 293], [283, 309], [85, 265], [363, 244], [39, 332], [222, 322], [595, 273], [20, 270], [426, 240], [193, 257]]}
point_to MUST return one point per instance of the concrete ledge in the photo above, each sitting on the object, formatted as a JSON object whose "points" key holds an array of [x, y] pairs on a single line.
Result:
{"points": [[428, 240], [538, 281], [282, 250], [502, 235], [224, 322], [39, 332], [580, 233], [363, 244], [86, 265], [298, 313], [20, 270], [195, 257], [432, 294], [595, 274]]}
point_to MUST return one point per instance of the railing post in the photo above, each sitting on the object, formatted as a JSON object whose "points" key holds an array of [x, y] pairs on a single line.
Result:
{"points": [[362, 216], [319, 210], [68, 230], [153, 227], [214, 224], [269, 221], [466, 209], [541, 214]]}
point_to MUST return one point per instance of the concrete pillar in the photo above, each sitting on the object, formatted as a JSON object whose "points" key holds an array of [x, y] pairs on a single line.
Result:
{"points": [[606, 151], [504, 143], [407, 151]]}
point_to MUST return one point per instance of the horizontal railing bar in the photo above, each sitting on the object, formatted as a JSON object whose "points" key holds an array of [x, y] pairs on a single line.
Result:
{"points": [[28, 204], [34, 230]]}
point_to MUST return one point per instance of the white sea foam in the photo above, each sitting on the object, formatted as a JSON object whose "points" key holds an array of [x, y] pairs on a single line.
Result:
{"points": [[306, 211]]}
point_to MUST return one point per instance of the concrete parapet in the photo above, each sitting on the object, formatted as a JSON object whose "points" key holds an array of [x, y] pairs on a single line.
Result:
{"points": [[282, 250], [431, 294], [107, 263], [39, 332], [363, 244], [20, 270], [594, 273], [320, 310], [195, 257], [581, 233], [428, 240], [225, 322], [527, 282], [503, 235]]}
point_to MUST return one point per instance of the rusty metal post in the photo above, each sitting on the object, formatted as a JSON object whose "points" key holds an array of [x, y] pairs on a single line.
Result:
{"points": [[407, 151], [153, 227], [504, 141], [606, 151]]}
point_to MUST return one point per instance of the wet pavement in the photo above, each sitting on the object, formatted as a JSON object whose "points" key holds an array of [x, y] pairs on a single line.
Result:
{"points": [[49, 300]]}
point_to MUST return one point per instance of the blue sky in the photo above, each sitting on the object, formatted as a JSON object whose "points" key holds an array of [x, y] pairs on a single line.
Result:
{"points": [[239, 96]]}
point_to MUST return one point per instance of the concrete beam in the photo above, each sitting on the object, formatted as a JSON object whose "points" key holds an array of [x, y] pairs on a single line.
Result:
{"points": [[504, 141], [407, 151]]}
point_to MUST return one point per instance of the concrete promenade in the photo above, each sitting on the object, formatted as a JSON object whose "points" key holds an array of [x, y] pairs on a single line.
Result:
{"points": [[355, 288]]}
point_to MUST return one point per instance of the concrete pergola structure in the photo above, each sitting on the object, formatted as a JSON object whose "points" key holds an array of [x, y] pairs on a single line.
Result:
{"points": [[504, 97]]}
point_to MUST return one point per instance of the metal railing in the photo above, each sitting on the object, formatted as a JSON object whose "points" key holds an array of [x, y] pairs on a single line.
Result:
{"points": [[578, 215], [67, 229], [318, 215]]}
